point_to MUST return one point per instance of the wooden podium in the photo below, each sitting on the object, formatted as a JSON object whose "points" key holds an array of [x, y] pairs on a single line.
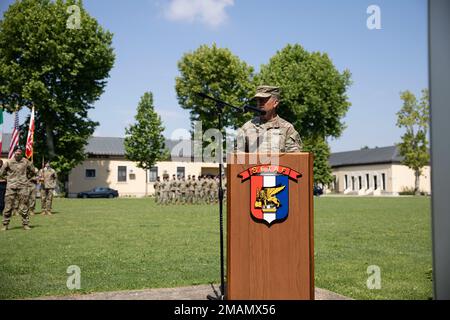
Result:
{"points": [[270, 259]]}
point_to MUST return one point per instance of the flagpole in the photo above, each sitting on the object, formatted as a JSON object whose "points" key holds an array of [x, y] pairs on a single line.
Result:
{"points": [[29, 152]]}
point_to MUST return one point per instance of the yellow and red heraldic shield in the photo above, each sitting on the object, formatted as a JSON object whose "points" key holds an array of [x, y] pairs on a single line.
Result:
{"points": [[269, 191]]}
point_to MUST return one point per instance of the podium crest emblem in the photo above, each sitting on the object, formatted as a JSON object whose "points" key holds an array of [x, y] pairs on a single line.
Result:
{"points": [[269, 192]]}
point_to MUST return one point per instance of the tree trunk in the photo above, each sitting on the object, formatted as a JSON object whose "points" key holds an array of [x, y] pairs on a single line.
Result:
{"points": [[417, 183], [146, 184]]}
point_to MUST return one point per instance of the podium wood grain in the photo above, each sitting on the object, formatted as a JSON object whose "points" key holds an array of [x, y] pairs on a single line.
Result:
{"points": [[277, 261]]}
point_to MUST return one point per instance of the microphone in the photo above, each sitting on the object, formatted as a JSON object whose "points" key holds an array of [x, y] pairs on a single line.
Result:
{"points": [[245, 108], [254, 109]]}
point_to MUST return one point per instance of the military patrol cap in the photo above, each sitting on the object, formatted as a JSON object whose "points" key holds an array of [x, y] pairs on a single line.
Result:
{"points": [[267, 91]]}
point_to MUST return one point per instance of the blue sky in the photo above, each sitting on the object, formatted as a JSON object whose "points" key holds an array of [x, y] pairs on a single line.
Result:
{"points": [[150, 36]]}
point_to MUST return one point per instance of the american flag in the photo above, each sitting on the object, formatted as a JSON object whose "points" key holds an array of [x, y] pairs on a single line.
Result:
{"points": [[14, 136]]}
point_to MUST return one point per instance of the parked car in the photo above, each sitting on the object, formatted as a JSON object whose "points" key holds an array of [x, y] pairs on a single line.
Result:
{"points": [[318, 191], [99, 192]]}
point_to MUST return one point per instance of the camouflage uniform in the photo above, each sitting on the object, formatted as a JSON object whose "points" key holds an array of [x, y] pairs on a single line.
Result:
{"points": [[173, 190], [204, 189], [274, 136], [224, 187], [2, 190], [157, 187], [183, 189], [32, 184], [215, 194], [16, 188], [49, 177], [189, 190], [211, 189], [197, 187], [165, 189], [268, 136]]}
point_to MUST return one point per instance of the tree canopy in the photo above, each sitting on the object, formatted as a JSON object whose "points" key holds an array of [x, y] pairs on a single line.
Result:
{"points": [[313, 99], [58, 68], [313, 91], [218, 73], [414, 116], [144, 142]]}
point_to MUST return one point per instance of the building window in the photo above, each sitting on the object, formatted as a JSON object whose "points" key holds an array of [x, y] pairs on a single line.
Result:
{"points": [[90, 173], [375, 184], [122, 173], [353, 183], [345, 182], [383, 181], [360, 182], [367, 181], [180, 171], [153, 174]]}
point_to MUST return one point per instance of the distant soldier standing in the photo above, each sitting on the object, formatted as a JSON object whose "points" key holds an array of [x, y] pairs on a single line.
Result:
{"points": [[173, 189], [224, 187], [183, 190], [157, 186], [16, 171], [178, 198], [189, 191], [165, 190], [204, 189], [49, 177], [216, 189], [211, 184], [32, 184], [201, 189], [196, 188]]}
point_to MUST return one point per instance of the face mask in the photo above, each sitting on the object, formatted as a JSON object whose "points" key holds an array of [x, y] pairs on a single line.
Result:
{"points": [[18, 157]]}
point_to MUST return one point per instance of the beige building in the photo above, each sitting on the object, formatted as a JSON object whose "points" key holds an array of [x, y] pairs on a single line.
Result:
{"points": [[106, 166], [377, 171]]}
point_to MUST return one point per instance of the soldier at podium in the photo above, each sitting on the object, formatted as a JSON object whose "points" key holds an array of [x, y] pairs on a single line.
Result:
{"points": [[268, 133]]}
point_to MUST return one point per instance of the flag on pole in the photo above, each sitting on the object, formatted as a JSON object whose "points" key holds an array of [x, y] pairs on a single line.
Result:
{"points": [[14, 136], [30, 137], [1, 128]]}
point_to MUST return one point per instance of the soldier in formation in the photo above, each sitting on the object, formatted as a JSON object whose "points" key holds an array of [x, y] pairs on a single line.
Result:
{"points": [[165, 190], [157, 187], [32, 190], [48, 178], [193, 190]]}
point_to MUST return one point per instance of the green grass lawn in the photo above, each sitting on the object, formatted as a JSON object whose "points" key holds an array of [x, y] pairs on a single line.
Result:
{"points": [[124, 244]]}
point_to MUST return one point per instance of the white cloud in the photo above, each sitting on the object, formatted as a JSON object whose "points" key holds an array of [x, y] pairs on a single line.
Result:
{"points": [[210, 12]]}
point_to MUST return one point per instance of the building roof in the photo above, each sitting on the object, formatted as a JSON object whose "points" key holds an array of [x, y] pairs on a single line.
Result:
{"points": [[105, 146], [365, 156], [113, 146]]}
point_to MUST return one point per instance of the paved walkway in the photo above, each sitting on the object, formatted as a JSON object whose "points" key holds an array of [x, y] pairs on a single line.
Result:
{"points": [[183, 293]]}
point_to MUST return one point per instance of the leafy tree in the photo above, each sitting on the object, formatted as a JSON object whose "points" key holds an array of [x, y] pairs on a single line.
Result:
{"points": [[313, 97], [414, 116], [60, 68], [218, 73], [144, 142], [321, 150]]}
